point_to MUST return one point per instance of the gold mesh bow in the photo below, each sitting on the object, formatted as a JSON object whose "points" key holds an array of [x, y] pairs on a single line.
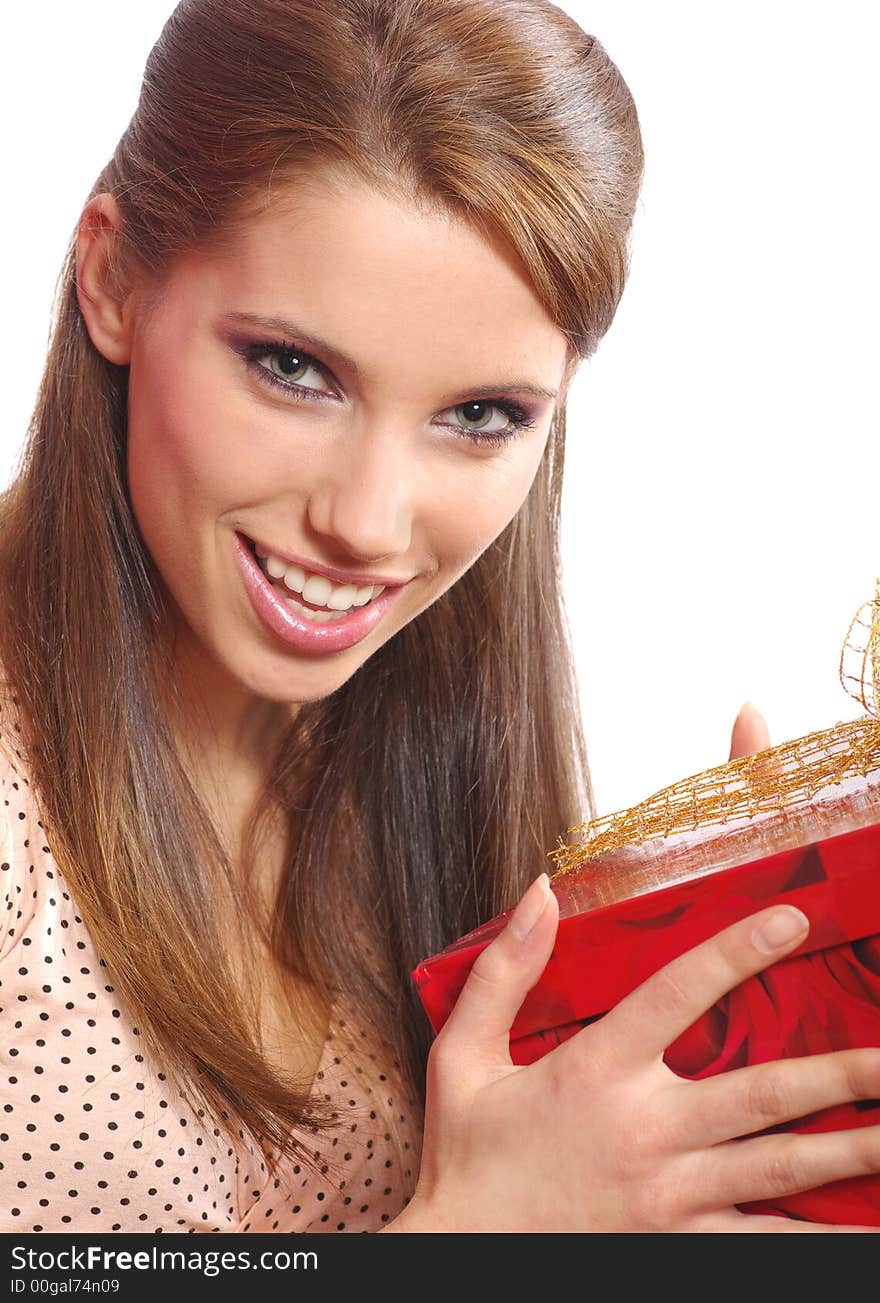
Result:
{"points": [[792, 773]]}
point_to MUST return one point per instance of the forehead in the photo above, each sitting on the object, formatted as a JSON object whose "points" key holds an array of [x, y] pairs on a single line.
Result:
{"points": [[370, 269]]}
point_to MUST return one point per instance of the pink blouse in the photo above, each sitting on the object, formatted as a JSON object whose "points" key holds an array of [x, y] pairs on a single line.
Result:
{"points": [[93, 1138]]}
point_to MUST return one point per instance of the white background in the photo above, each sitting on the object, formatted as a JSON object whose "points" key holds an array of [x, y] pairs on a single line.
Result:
{"points": [[722, 477]]}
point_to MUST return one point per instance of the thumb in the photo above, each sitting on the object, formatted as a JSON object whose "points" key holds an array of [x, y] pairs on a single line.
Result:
{"points": [[750, 732], [501, 977]]}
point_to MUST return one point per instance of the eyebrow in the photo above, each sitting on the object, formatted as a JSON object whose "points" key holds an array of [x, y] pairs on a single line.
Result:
{"points": [[290, 330]]}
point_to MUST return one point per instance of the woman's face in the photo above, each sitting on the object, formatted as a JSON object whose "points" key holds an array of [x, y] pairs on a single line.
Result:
{"points": [[362, 460]]}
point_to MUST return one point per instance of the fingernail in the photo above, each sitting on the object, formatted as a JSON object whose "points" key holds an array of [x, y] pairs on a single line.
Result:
{"points": [[780, 929], [530, 908]]}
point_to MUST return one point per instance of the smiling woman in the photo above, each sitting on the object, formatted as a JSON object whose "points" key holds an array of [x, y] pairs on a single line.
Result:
{"points": [[298, 449], [302, 708], [339, 473]]}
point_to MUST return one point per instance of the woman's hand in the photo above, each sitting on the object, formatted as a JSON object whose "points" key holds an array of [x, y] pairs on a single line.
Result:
{"points": [[599, 1135], [749, 733]]}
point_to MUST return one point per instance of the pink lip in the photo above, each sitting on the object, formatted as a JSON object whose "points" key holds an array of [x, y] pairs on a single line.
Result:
{"points": [[295, 630]]}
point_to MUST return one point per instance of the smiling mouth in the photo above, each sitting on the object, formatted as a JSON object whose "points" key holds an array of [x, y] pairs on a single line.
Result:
{"points": [[291, 583]]}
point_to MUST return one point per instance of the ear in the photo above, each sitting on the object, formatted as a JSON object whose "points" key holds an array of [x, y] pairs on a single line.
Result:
{"points": [[106, 307]]}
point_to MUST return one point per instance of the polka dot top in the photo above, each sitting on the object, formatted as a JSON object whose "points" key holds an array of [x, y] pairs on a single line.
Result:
{"points": [[93, 1136]]}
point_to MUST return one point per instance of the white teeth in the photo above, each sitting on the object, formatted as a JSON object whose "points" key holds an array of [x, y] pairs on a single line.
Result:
{"points": [[294, 578], [343, 598], [337, 598], [317, 590], [320, 617]]}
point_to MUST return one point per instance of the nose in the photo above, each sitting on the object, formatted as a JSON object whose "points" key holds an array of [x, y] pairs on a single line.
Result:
{"points": [[363, 499]]}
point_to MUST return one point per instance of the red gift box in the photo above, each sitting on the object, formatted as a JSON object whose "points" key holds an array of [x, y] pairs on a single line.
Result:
{"points": [[823, 858]]}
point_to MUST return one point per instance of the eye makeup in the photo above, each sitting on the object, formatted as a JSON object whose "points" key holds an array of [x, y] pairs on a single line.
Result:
{"points": [[519, 420]]}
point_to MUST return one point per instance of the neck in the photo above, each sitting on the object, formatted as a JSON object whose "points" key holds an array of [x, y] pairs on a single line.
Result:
{"points": [[226, 736]]}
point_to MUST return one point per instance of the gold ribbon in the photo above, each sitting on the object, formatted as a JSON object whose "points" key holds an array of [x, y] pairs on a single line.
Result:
{"points": [[792, 773]]}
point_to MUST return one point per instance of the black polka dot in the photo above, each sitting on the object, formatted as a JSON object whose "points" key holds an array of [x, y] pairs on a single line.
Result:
{"points": [[72, 1039]]}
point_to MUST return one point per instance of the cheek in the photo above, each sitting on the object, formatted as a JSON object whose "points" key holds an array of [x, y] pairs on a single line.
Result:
{"points": [[471, 515], [190, 465], [192, 446]]}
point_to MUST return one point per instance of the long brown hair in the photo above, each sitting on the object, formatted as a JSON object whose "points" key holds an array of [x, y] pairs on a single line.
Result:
{"points": [[422, 795]]}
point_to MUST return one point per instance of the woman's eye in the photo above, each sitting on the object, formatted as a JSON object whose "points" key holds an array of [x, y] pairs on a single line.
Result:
{"points": [[477, 416], [287, 365]]}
